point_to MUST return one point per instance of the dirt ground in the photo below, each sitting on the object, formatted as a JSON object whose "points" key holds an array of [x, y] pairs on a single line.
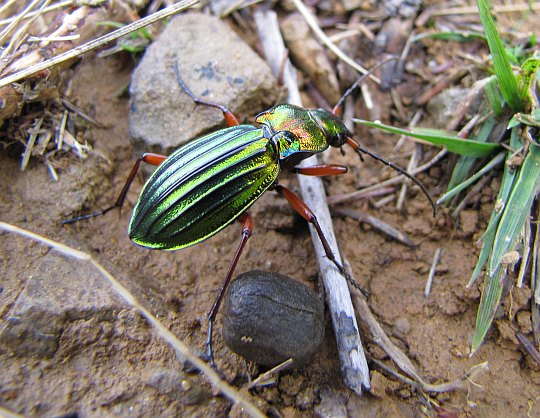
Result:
{"points": [[107, 364]]}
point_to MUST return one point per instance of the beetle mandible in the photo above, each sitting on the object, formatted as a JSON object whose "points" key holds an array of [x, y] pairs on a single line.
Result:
{"points": [[210, 182]]}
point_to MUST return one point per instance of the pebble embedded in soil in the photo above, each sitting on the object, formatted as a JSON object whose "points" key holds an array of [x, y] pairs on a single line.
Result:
{"points": [[524, 321], [333, 404], [468, 219], [442, 107], [269, 317], [402, 327], [177, 385], [379, 384], [59, 290], [215, 63]]}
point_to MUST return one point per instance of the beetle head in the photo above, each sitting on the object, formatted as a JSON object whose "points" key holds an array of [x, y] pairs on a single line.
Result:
{"points": [[333, 127]]}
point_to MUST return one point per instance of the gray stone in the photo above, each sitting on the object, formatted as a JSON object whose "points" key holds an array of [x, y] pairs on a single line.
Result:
{"points": [[402, 327], [77, 185], [332, 405], [404, 8], [61, 289], [177, 385], [217, 66], [442, 107], [269, 317]]}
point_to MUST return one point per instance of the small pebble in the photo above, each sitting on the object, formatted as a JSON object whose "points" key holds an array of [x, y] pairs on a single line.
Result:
{"points": [[176, 384], [402, 327], [524, 321], [269, 317]]}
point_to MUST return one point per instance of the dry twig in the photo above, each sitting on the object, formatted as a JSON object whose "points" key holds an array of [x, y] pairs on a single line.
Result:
{"points": [[376, 223], [267, 378], [432, 271]]}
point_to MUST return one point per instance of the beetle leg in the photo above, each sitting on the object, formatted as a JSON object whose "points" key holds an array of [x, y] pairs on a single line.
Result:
{"points": [[300, 206], [321, 170], [153, 159], [247, 230], [230, 117]]}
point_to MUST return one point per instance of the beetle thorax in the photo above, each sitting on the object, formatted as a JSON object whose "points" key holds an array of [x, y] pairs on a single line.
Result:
{"points": [[293, 130], [332, 126]]}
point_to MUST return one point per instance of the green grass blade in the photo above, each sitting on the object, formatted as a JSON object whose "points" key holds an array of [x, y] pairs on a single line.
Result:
{"points": [[455, 36], [531, 119], [489, 301], [494, 96], [519, 207], [465, 164], [499, 158], [501, 64], [487, 245], [526, 76], [507, 184], [453, 143], [461, 171]]}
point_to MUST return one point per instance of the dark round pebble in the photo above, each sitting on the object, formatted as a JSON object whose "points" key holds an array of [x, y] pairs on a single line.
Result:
{"points": [[269, 317]]}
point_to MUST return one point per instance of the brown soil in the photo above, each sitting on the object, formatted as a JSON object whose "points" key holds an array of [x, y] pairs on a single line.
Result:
{"points": [[110, 378]]}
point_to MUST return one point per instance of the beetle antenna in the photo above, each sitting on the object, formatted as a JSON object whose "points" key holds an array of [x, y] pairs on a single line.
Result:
{"points": [[337, 108], [359, 150]]}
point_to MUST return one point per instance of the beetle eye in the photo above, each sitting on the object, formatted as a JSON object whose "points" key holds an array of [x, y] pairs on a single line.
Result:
{"points": [[337, 140]]}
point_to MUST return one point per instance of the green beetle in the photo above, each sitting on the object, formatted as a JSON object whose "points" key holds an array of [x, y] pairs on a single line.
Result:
{"points": [[210, 182], [205, 185]]}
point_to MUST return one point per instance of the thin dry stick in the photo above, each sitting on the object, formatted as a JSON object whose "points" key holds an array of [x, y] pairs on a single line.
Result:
{"points": [[33, 134], [50, 8], [368, 195], [529, 347], [19, 17], [381, 203], [6, 5], [18, 38], [179, 347], [413, 163], [376, 223], [53, 38], [80, 113], [440, 388], [525, 253], [6, 413], [354, 367], [312, 22], [95, 43], [62, 130], [265, 377], [432, 271]]}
